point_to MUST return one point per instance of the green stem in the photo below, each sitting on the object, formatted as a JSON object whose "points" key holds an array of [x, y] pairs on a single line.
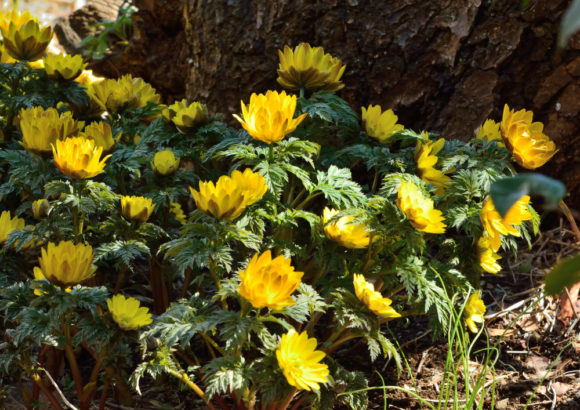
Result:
{"points": [[270, 154], [336, 334], [297, 199], [212, 343], [120, 279], [274, 319], [340, 342], [375, 182], [318, 274], [77, 221], [308, 199], [189, 383]]}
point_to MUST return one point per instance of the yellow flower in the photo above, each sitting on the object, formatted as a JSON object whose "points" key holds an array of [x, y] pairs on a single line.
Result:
{"points": [[268, 118], [78, 158], [474, 311], [14, 17], [137, 208], [9, 224], [349, 235], [86, 77], [268, 282], [164, 163], [487, 256], [5, 57], [177, 211], [24, 38], [39, 276], [66, 264], [122, 94], [251, 183], [100, 132], [63, 67], [380, 125], [519, 212], [128, 313], [418, 209], [310, 68], [300, 361], [42, 128], [40, 208], [489, 131], [186, 117], [525, 139], [426, 158], [110, 95], [230, 196], [495, 226], [366, 293]]}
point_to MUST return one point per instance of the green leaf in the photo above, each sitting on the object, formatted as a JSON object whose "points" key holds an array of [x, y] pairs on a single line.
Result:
{"points": [[564, 274], [507, 191], [570, 23]]}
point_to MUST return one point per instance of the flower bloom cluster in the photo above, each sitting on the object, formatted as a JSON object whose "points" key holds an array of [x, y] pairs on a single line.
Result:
{"points": [[418, 209], [230, 196], [342, 231], [268, 282]]}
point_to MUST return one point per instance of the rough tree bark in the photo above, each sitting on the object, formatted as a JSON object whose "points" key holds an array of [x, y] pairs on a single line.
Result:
{"points": [[442, 65]]}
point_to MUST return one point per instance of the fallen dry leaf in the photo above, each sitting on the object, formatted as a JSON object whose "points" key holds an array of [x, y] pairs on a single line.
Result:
{"points": [[493, 332]]}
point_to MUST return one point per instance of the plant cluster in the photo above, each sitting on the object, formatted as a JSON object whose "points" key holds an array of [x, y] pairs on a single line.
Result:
{"points": [[148, 239]]}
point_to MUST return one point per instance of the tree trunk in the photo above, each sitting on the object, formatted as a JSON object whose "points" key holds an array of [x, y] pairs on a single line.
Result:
{"points": [[442, 65]]}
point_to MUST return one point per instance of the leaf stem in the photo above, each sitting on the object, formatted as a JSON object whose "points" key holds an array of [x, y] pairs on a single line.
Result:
{"points": [[189, 383], [571, 219]]}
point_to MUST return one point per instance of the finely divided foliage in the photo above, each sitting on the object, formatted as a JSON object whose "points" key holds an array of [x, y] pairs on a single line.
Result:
{"points": [[246, 295]]}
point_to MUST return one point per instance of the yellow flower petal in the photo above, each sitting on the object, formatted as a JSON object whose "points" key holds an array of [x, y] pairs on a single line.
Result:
{"points": [[349, 235], [310, 68], [300, 362], [268, 282], [268, 118], [128, 313], [366, 293]]}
